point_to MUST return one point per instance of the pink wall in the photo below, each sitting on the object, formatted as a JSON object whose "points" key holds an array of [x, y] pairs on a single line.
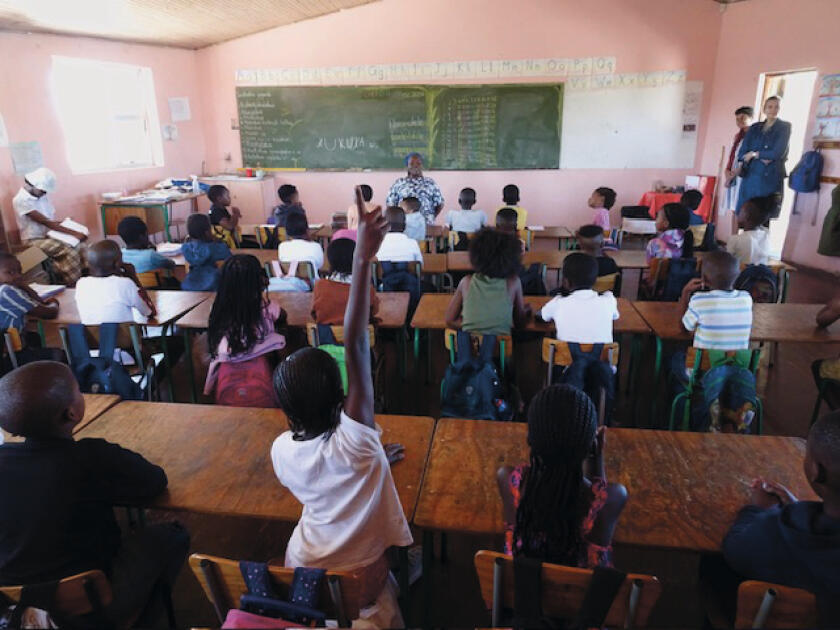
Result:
{"points": [[770, 36], [29, 114], [643, 35]]}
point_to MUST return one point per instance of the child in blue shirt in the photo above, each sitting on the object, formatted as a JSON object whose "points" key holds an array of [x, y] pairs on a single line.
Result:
{"points": [[138, 251], [202, 251]]}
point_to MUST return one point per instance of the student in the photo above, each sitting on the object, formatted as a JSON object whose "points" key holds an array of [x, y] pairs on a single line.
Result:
{"points": [[506, 219], [291, 205], [466, 219], [338, 221], [510, 198], [778, 539], [17, 300], [490, 300], [299, 248], [396, 246], [581, 315], [333, 461], [353, 213], [560, 508], [138, 251], [752, 246], [415, 222], [225, 223], [590, 239], [111, 293], [601, 201], [202, 252], [59, 496], [692, 199], [673, 238], [329, 299]]}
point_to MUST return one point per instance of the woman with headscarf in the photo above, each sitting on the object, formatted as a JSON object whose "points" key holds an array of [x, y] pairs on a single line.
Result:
{"points": [[415, 184]]}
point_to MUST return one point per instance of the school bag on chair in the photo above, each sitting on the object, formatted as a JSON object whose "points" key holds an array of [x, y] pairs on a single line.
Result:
{"points": [[397, 277], [590, 374], [102, 374], [245, 383], [760, 282], [680, 271], [471, 387]]}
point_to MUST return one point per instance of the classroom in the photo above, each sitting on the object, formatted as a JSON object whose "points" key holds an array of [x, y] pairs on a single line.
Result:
{"points": [[388, 314]]}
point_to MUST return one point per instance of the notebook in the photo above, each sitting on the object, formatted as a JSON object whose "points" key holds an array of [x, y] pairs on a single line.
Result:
{"points": [[70, 224], [46, 290]]}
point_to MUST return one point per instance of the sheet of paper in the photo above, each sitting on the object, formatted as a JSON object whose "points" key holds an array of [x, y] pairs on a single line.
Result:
{"points": [[26, 156], [4, 135], [179, 108]]}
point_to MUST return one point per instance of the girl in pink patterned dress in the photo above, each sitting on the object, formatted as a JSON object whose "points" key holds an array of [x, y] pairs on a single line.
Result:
{"points": [[560, 508]]}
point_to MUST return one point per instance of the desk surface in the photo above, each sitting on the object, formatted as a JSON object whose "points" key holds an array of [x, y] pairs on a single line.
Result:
{"points": [[684, 488], [393, 308], [551, 231], [218, 458], [431, 314], [786, 323], [187, 196], [95, 406]]}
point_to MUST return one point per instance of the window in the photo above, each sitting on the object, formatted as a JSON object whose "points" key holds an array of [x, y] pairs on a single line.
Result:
{"points": [[109, 114]]}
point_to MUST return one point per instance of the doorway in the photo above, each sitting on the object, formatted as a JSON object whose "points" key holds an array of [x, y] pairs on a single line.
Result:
{"points": [[796, 89]]}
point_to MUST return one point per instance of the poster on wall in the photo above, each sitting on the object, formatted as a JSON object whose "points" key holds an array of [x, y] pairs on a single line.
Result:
{"points": [[827, 124]]}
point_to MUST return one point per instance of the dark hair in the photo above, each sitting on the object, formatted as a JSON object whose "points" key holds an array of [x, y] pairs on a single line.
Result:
{"points": [[103, 257], [561, 429], [215, 191], [309, 390], [757, 209], [775, 97], [285, 192], [580, 271], [745, 109], [132, 229], [510, 194], [721, 269], [198, 227], [679, 219], [296, 224], [34, 397], [691, 199], [468, 197], [508, 217], [495, 254], [412, 202], [591, 231], [608, 194], [237, 312], [340, 254], [367, 192], [396, 217]]}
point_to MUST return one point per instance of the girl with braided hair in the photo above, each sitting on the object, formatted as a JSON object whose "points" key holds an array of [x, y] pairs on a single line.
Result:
{"points": [[559, 508]]}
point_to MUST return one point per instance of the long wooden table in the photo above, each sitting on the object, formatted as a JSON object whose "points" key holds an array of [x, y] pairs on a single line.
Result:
{"points": [[95, 406], [684, 488]]}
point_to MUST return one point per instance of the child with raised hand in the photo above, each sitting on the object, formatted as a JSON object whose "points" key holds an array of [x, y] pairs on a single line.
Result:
{"points": [[202, 252], [673, 238], [560, 508], [751, 246], [332, 459], [331, 295]]}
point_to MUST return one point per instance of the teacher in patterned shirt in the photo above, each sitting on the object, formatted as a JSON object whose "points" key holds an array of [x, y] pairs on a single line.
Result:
{"points": [[414, 184]]}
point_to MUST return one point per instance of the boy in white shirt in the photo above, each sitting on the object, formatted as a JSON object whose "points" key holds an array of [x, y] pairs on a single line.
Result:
{"points": [[581, 316], [415, 222], [752, 245], [396, 246], [466, 219], [300, 248]]}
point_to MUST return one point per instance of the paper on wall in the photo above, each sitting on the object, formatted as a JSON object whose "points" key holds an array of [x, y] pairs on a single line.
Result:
{"points": [[26, 156], [4, 135], [179, 108]]}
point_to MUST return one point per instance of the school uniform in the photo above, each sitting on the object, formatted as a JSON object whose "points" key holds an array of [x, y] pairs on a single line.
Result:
{"points": [[397, 247], [300, 250], [145, 260], [415, 226], [583, 316], [750, 247], [467, 221], [113, 299]]}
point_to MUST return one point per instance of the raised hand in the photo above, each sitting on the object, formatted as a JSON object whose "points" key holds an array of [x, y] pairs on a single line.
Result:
{"points": [[372, 229]]}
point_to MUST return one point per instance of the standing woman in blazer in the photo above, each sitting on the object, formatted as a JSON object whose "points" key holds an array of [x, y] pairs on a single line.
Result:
{"points": [[762, 157]]}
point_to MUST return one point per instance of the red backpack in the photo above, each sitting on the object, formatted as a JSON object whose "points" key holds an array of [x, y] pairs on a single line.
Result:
{"points": [[246, 384]]}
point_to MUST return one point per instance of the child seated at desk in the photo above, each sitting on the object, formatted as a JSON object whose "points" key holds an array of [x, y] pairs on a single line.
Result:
{"points": [[291, 205], [415, 222], [299, 248], [751, 246], [673, 238], [590, 239], [17, 300], [692, 199], [560, 508], [329, 299], [140, 253], [333, 461], [601, 201], [353, 213], [510, 199], [225, 222], [466, 220], [59, 496], [202, 252]]}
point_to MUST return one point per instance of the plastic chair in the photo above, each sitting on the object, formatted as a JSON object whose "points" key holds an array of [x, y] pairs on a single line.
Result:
{"points": [[305, 270], [504, 344], [563, 591], [765, 605], [610, 282], [338, 333], [152, 279], [80, 594], [223, 585], [454, 238]]}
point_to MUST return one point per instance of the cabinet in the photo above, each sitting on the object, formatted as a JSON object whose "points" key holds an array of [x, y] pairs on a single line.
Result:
{"points": [[254, 197]]}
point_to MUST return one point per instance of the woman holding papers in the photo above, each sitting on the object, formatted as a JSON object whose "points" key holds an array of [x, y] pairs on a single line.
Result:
{"points": [[60, 241]]}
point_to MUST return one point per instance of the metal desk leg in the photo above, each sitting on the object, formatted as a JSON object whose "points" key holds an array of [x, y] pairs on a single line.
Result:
{"points": [[190, 366], [416, 345], [428, 356], [167, 365], [165, 209], [428, 558], [657, 367]]}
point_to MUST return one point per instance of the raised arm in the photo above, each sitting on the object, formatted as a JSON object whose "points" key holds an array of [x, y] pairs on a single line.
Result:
{"points": [[359, 402]]}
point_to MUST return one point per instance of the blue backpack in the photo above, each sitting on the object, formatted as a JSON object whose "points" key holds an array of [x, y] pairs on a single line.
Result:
{"points": [[805, 176], [471, 387], [101, 375], [680, 271], [397, 277]]}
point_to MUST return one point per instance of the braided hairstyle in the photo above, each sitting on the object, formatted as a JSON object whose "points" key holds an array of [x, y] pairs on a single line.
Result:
{"points": [[308, 387], [679, 218], [237, 312], [561, 429]]}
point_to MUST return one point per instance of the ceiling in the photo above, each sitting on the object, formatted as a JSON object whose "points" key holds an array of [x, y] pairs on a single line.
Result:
{"points": [[182, 23]]}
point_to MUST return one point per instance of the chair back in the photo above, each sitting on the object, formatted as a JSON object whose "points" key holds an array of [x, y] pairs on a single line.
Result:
{"points": [[503, 349], [223, 584], [264, 233], [563, 591], [606, 283], [696, 359], [79, 594], [765, 605], [455, 238], [412, 266], [304, 270], [149, 279], [699, 233], [338, 333], [556, 352]]}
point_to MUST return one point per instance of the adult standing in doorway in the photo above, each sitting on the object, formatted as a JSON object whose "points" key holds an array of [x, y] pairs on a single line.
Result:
{"points": [[415, 184], [732, 174], [36, 217], [762, 157]]}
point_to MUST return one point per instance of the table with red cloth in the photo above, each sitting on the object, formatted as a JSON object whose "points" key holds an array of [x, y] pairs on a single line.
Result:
{"points": [[655, 200]]}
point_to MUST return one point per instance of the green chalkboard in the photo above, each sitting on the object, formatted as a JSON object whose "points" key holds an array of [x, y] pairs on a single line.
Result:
{"points": [[455, 127]]}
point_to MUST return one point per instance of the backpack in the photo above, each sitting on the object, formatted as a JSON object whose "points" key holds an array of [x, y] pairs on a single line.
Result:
{"points": [[680, 271], [327, 343], [245, 383], [760, 282], [532, 280], [102, 374], [591, 375], [471, 387], [728, 397], [269, 236], [397, 277], [805, 176]]}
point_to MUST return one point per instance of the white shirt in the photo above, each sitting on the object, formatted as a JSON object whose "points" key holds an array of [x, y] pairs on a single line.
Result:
{"points": [[300, 250], [351, 510], [397, 247], [750, 247], [583, 316], [112, 299], [415, 226], [24, 203], [468, 221]]}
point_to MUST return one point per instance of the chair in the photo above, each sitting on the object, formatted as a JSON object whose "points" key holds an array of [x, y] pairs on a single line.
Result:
{"points": [[338, 333], [827, 391], [563, 591], [557, 353], [80, 594], [765, 605], [412, 266], [504, 345], [699, 233], [265, 232], [305, 270], [698, 361], [223, 584], [13, 345], [455, 238], [152, 279], [610, 282]]}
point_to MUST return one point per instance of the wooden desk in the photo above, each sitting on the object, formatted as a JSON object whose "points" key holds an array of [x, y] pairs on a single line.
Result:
{"points": [[157, 215], [560, 233], [629, 258], [552, 259], [684, 488], [435, 263], [95, 406], [218, 458]]}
